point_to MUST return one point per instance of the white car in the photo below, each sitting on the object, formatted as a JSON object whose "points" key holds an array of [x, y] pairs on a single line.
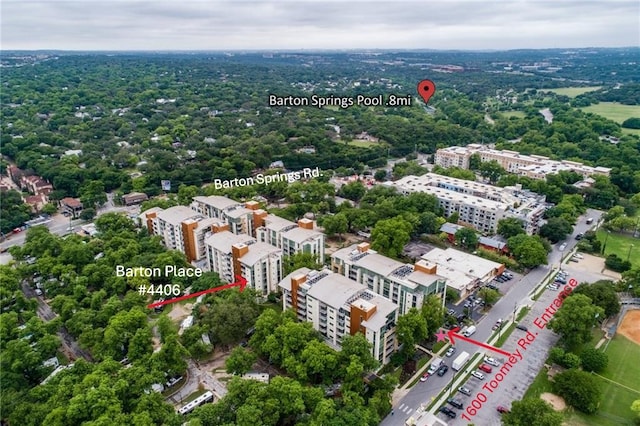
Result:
{"points": [[450, 351], [491, 361], [562, 246], [477, 375]]}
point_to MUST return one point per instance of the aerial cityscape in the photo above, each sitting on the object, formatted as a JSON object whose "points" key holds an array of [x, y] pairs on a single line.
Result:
{"points": [[320, 213]]}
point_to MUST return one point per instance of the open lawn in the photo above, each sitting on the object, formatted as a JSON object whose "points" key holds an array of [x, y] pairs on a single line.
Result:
{"points": [[510, 114], [621, 244], [614, 111], [572, 92], [362, 144]]}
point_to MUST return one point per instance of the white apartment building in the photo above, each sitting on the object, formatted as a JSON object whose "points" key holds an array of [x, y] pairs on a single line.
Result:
{"points": [[242, 218], [292, 237], [337, 306], [230, 254], [405, 285], [181, 228], [533, 166], [478, 205]]}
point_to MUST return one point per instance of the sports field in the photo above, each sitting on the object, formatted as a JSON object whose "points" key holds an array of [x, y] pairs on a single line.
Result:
{"points": [[572, 92], [624, 245], [619, 381]]}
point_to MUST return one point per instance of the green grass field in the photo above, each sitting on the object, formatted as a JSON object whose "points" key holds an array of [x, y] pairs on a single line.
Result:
{"points": [[572, 92], [510, 114], [362, 144], [621, 245], [614, 111]]}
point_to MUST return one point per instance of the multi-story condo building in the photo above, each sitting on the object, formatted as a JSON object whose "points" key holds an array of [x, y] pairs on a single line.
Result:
{"points": [[292, 237], [478, 205], [405, 285], [230, 254], [533, 166], [181, 228], [243, 218], [337, 306]]}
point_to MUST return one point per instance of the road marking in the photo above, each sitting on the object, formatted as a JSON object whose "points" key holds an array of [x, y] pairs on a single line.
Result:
{"points": [[409, 412], [400, 407]]}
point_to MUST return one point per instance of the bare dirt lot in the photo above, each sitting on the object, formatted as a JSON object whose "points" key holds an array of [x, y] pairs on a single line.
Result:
{"points": [[594, 265], [630, 327], [556, 401]]}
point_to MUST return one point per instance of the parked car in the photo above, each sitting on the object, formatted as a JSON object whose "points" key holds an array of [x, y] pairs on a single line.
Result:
{"points": [[442, 370], [486, 368], [493, 287], [424, 377], [491, 361], [579, 236], [456, 403], [451, 312], [450, 351], [448, 412], [497, 325], [521, 327], [465, 391], [477, 375], [502, 409]]}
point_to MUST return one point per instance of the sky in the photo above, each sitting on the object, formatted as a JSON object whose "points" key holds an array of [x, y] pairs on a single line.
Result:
{"points": [[309, 24]]}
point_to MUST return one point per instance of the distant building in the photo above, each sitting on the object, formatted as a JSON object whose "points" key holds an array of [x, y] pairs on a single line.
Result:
{"points": [[478, 205], [493, 244], [71, 206], [134, 198], [337, 306], [404, 284], [533, 166]]}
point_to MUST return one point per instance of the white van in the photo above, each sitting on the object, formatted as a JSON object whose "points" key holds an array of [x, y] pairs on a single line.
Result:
{"points": [[469, 331]]}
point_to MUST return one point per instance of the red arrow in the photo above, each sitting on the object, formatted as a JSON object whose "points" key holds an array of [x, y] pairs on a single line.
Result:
{"points": [[452, 333], [240, 282]]}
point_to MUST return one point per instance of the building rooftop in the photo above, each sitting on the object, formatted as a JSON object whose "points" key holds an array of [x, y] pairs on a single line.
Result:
{"points": [[277, 223], [238, 212], [468, 264], [369, 260], [223, 241], [258, 251], [177, 214], [217, 201], [300, 235], [384, 308], [334, 289]]}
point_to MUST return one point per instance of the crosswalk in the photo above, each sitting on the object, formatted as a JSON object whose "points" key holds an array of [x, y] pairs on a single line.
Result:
{"points": [[405, 409]]}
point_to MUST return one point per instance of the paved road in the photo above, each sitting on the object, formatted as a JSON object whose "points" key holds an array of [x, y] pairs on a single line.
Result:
{"points": [[195, 376], [425, 392]]}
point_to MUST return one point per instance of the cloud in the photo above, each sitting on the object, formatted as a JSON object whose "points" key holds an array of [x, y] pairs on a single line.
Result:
{"points": [[328, 24]]}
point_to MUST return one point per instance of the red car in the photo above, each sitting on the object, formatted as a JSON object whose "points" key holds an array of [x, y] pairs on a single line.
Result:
{"points": [[424, 377], [485, 368], [502, 409]]}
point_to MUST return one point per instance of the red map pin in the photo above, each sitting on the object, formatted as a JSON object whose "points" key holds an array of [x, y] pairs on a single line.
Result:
{"points": [[426, 89]]}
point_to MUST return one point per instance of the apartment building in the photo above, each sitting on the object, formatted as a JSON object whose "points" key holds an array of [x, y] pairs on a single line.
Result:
{"points": [[181, 228], [533, 166], [463, 272], [242, 218], [405, 285], [337, 306], [478, 205], [230, 254], [292, 237]]}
